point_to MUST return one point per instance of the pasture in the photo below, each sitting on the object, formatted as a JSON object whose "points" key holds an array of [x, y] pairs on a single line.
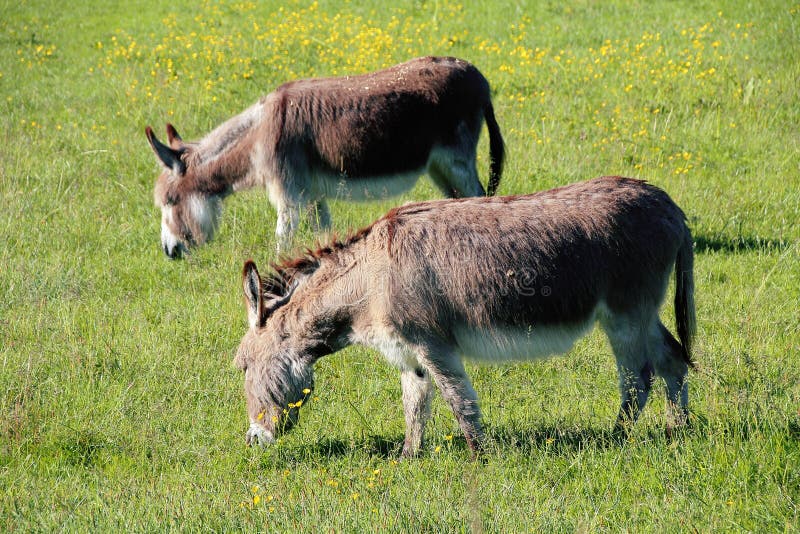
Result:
{"points": [[120, 407]]}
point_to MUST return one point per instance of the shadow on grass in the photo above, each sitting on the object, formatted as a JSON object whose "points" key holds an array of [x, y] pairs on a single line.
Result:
{"points": [[552, 438], [381, 447], [499, 440], [377, 446], [703, 243], [85, 448], [563, 440]]}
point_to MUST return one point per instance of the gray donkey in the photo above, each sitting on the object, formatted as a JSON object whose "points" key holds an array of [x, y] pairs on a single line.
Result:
{"points": [[356, 137], [490, 279]]}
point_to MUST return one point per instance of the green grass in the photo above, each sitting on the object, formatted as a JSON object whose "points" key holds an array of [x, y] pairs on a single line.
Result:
{"points": [[119, 404]]}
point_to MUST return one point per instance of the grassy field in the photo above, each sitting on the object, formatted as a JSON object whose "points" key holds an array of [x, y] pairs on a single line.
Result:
{"points": [[119, 405]]}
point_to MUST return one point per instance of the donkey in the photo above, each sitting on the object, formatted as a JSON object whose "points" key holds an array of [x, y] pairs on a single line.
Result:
{"points": [[357, 137], [493, 279]]}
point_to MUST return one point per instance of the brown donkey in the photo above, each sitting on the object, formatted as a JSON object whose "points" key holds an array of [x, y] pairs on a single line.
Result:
{"points": [[490, 279], [356, 138]]}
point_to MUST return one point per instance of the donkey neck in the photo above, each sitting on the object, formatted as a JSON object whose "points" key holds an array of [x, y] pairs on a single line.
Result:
{"points": [[320, 315], [222, 161]]}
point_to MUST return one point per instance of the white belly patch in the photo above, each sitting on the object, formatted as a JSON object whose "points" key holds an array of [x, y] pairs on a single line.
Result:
{"points": [[502, 344], [393, 347]]}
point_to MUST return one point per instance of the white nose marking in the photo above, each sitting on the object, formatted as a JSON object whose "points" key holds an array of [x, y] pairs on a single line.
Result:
{"points": [[258, 435], [168, 240]]}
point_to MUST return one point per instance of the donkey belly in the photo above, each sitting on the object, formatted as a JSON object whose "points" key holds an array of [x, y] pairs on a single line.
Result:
{"points": [[339, 186], [502, 344]]}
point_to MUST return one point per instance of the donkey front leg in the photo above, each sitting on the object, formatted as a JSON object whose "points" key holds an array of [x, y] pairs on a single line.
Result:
{"points": [[288, 220], [450, 376], [417, 395]]}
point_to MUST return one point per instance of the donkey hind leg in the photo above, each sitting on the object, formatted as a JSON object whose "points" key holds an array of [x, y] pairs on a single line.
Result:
{"points": [[452, 167], [632, 346], [451, 378], [288, 220], [670, 365], [455, 177], [319, 216], [417, 395]]}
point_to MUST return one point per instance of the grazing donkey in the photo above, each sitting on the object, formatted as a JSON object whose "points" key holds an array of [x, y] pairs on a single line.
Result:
{"points": [[493, 279], [356, 137]]}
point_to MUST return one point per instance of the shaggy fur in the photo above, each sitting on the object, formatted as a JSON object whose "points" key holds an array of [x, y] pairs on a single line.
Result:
{"points": [[492, 279], [355, 137]]}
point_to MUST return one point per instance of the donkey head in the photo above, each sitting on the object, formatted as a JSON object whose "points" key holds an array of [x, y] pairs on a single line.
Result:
{"points": [[189, 215], [278, 376]]}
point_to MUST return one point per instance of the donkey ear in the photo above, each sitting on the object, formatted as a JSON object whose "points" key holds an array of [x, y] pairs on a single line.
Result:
{"points": [[251, 283], [175, 140], [168, 156], [276, 301]]}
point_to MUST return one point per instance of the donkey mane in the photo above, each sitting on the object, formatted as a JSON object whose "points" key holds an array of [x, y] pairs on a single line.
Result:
{"points": [[287, 268], [221, 154], [225, 136]]}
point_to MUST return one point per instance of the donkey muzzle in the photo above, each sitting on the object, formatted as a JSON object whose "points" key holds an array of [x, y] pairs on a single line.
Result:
{"points": [[175, 252], [258, 436]]}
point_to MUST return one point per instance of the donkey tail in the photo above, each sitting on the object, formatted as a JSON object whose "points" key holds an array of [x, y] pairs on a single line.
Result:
{"points": [[685, 319], [497, 150]]}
